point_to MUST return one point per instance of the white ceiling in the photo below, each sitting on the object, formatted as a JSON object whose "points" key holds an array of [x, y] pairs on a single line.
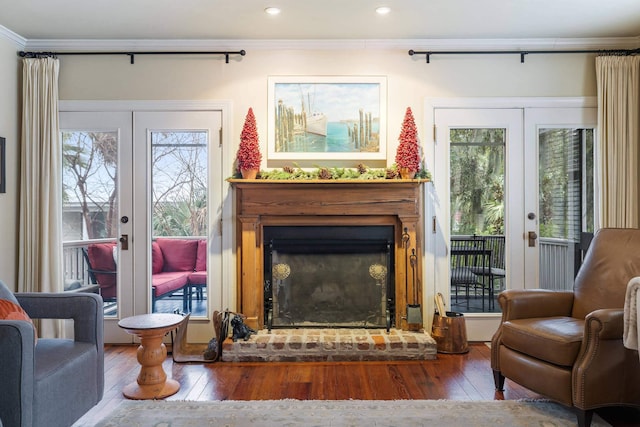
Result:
{"points": [[320, 19]]}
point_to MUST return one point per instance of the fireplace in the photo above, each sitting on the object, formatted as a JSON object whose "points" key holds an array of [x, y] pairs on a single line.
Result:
{"points": [[338, 215], [329, 276]]}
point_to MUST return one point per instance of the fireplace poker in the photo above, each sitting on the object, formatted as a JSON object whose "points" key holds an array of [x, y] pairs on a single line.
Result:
{"points": [[414, 314], [405, 245]]}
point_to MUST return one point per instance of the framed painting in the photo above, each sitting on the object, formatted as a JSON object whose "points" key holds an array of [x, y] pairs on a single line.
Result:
{"points": [[327, 118]]}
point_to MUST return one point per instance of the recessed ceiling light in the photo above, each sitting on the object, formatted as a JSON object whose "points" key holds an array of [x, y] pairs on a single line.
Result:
{"points": [[383, 10], [272, 10]]}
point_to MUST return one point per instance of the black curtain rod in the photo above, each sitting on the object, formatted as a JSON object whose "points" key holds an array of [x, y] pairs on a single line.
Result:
{"points": [[522, 53], [131, 55]]}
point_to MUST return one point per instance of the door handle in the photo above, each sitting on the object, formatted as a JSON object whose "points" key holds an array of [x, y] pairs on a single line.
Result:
{"points": [[124, 242], [532, 239]]}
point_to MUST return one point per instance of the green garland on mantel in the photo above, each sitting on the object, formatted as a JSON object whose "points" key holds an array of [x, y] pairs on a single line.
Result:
{"points": [[362, 172]]}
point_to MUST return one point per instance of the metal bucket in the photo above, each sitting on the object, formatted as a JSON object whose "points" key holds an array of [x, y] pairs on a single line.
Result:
{"points": [[450, 333]]}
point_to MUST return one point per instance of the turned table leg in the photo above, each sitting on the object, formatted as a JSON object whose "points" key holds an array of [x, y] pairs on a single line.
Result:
{"points": [[152, 382]]}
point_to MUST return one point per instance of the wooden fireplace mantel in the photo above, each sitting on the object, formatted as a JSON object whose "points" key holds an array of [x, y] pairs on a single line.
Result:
{"points": [[262, 203]]}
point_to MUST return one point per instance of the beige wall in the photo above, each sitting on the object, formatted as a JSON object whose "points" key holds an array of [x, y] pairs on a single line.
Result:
{"points": [[244, 81], [9, 129]]}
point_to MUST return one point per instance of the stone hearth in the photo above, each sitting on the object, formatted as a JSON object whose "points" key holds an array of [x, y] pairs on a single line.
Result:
{"points": [[319, 345]]}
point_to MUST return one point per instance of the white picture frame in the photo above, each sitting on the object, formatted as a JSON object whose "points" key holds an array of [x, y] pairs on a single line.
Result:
{"points": [[327, 118]]}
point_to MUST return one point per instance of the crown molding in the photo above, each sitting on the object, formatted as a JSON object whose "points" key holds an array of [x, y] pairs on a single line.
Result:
{"points": [[68, 45], [7, 34]]}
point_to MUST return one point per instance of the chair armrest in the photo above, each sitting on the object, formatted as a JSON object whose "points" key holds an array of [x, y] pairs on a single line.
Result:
{"points": [[85, 309], [17, 370], [605, 372], [527, 304], [605, 324], [531, 303]]}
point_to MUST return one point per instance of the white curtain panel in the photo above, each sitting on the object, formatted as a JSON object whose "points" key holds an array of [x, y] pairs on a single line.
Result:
{"points": [[40, 235], [618, 81]]}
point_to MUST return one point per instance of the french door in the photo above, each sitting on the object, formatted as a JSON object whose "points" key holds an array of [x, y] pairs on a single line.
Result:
{"points": [[179, 194], [478, 178], [131, 177], [495, 171], [561, 200], [97, 206]]}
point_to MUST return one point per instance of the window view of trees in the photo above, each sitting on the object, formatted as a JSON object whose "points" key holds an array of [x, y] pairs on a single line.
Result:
{"points": [[477, 181], [179, 183], [566, 182], [565, 193], [90, 184]]}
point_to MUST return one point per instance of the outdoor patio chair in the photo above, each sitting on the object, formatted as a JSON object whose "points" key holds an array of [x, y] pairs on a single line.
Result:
{"points": [[497, 269], [101, 267], [470, 264]]}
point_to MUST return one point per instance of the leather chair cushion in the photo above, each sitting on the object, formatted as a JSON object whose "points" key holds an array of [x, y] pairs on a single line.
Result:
{"points": [[555, 340]]}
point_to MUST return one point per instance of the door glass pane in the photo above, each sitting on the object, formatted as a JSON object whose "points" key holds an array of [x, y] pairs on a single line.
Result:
{"points": [[566, 206], [179, 217], [90, 212], [477, 171]]}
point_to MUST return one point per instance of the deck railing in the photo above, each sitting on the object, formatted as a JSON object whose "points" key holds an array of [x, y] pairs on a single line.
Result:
{"points": [[556, 264]]}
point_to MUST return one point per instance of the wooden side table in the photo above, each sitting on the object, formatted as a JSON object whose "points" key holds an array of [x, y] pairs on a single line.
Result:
{"points": [[152, 382]]}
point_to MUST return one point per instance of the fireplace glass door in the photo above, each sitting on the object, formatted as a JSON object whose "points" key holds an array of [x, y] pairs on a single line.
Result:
{"points": [[328, 277]]}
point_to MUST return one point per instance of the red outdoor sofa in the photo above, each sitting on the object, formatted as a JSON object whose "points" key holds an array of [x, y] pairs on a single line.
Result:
{"points": [[178, 265]]}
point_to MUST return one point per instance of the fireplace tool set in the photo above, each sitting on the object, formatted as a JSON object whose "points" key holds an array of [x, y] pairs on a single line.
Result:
{"points": [[414, 313]]}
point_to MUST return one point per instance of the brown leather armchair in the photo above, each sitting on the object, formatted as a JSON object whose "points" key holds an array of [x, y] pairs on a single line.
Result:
{"points": [[568, 345]]}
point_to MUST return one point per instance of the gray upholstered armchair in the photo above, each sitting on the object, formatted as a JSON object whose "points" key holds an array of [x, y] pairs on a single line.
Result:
{"points": [[55, 381]]}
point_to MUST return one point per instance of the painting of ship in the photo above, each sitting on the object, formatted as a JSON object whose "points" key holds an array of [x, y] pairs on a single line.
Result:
{"points": [[341, 119], [317, 124], [312, 121]]}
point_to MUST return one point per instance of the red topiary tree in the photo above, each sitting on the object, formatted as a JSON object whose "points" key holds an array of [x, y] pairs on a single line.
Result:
{"points": [[408, 153], [249, 156]]}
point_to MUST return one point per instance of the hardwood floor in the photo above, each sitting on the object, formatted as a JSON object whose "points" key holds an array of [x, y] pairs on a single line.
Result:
{"points": [[455, 377]]}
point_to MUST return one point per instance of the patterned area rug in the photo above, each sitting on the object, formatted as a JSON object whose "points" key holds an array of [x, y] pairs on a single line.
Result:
{"points": [[341, 413]]}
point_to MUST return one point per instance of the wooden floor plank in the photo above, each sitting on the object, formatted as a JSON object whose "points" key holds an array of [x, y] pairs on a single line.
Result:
{"points": [[324, 384]]}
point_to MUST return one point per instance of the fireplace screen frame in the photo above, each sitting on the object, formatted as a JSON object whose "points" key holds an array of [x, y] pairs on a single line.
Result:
{"points": [[318, 240]]}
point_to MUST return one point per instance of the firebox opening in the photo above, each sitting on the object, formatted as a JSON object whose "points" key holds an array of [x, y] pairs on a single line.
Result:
{"points": [[326, 276]]}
